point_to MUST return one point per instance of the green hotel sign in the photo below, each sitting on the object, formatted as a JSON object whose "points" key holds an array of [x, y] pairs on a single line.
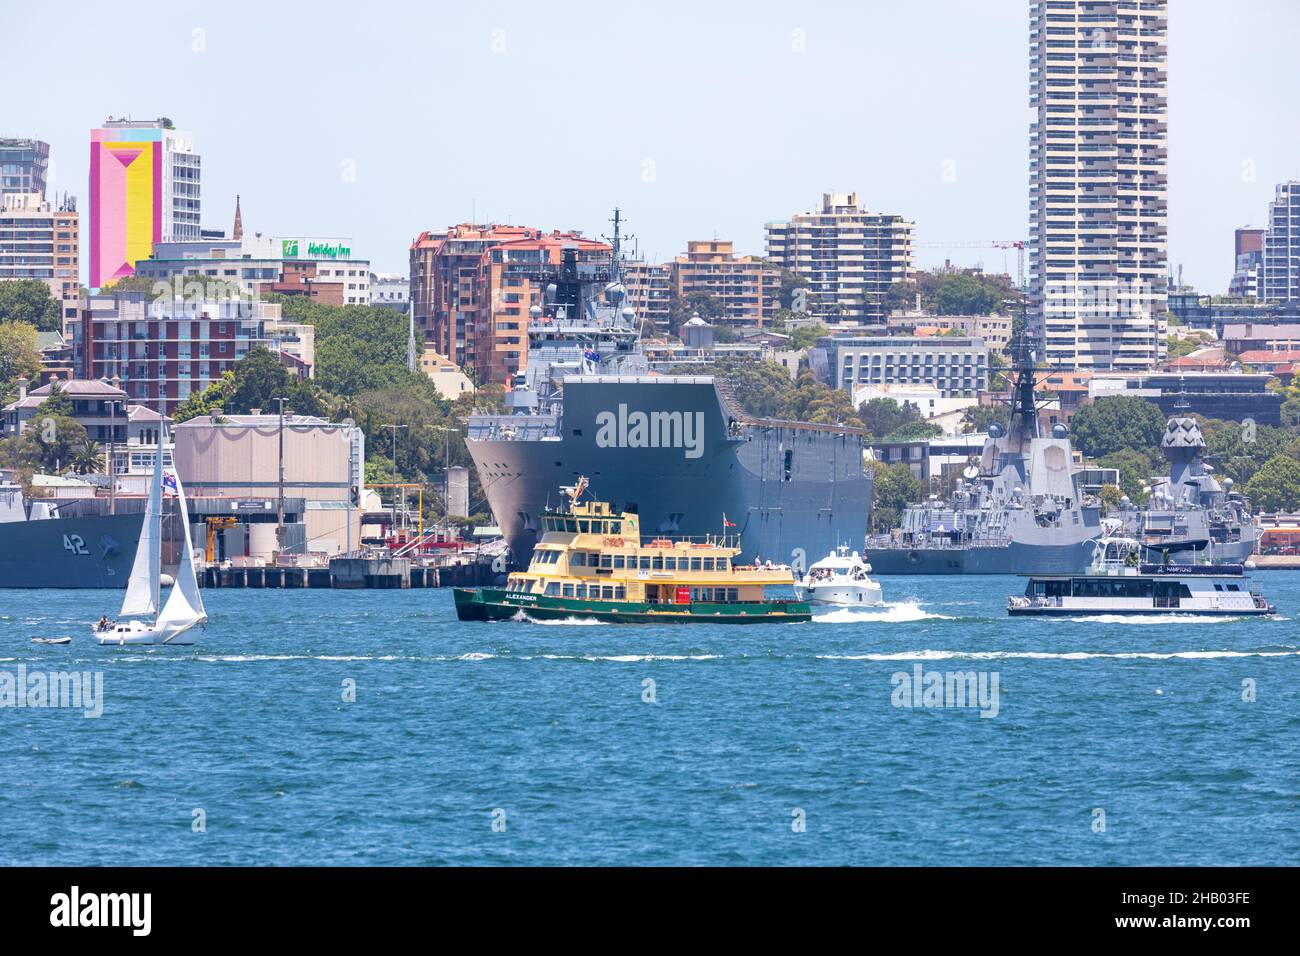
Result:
{"points": [[315, 250]]}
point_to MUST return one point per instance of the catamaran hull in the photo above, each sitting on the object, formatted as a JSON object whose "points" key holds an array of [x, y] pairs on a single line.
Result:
{"points": [[791, 492]]}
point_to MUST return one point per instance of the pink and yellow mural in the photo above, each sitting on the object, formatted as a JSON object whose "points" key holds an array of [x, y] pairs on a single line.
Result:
{"points": [[125, 200]]}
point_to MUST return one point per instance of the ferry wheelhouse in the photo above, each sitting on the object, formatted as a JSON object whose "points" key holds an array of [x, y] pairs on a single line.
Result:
{"points": [[591, 562], [1118, 583]]}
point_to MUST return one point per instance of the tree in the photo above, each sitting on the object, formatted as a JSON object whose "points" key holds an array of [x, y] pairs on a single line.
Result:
{"points": [[204, 402], [966, 295], [1117, 423], [979, 418], [1110, 496], [881, 416], [1276, 485], [806, 336], [915, 431], [790, 281], [820, 404], [30, 301], [49, 443], [1134, 473], [1238, 449], [894, 488], [763, 389], [19, 355], [88, 459]]}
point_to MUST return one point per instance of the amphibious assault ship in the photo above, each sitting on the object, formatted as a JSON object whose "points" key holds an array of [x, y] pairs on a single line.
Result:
{"points": [[65, 544], [1018, 510], [680, 450]]}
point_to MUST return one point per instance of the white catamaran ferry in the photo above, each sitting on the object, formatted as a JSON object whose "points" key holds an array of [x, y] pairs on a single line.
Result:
{"points": [[1118, 583]]}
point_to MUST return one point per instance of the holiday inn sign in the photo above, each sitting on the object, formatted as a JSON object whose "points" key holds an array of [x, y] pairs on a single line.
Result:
{"points": [[316, 249]]}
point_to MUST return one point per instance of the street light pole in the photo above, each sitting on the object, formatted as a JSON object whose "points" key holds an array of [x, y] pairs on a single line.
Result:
{"points": [[279, 505], [395, 476]]}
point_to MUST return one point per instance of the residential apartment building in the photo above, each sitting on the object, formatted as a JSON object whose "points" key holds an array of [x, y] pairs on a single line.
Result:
{"points": [[511, 279], [849, 256], [995, 330], [957, 366], [390, 291], [746, 288], [649, 291], [161, 350], [102, 408], [1248, 257], [145, 183], [1280, 272], [1215, 313], [1098, 180], [24, 165], [444, 284], [317, 268], [41, 241]]}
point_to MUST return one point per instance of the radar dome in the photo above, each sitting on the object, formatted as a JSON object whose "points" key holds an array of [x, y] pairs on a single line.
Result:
{"points": [[996, 430], [628, 312], [535, 312], [1060, 431]]}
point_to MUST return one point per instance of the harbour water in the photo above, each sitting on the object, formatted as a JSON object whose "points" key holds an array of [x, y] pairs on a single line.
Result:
{"points": [[525, 743]]}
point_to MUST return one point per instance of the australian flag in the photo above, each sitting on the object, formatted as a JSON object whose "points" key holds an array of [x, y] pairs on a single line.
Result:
{"points": [[591, 355], [169, 483]]}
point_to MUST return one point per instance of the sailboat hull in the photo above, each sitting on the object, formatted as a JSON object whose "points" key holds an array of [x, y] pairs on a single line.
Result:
{"points": [[137, 632]]}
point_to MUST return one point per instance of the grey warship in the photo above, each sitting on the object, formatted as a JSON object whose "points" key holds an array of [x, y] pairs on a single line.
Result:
{"points": [[678, 450], [1191, 517], [1018, 511], [67, 544]]}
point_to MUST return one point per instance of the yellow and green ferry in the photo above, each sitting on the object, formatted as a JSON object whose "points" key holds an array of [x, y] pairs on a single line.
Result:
{"points": [[592, 563]]}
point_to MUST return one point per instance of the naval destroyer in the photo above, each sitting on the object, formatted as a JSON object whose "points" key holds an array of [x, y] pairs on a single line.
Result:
{"points": [[1018, 510], [680, 450]]}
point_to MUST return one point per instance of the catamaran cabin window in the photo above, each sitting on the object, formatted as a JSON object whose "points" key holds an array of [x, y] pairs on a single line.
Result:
{"points": [[1233, 587]]}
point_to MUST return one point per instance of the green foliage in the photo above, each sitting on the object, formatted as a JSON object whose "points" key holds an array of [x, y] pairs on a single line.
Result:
{"points": [[1117, 423], [806, 336], [49, 443], [30, 301], [946, 292], [882, 416], [1276, 485], [1110, 496], [763, 389], [966, 295], [19, 355], [915, 431], [1135, 471], [203, 403], [978, 418], [1238, 449], [790, 281], [57, 403], [893, 489], [821, 404]]}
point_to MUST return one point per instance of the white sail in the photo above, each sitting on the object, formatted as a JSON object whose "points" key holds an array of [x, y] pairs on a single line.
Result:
{"points": [[184, 607], [144, 585]]}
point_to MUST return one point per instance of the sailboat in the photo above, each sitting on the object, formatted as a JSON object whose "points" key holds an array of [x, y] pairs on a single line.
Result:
{"points": [[184, 606]]}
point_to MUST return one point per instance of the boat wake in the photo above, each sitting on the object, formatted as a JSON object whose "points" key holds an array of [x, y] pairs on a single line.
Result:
{"points": [[932, 655], [892, 612], [560, 622], [1155, 619]]}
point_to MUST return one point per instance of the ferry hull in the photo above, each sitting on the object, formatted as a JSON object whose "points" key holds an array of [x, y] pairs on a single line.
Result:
{"points": [[95, 551], [491, 604], [791, 493]]}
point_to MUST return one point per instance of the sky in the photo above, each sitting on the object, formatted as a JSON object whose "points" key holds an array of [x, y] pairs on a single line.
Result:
{"points": [[376, 120]]}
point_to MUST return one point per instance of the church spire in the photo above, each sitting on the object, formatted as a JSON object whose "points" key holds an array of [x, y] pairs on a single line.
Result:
{"points": [[238, 231]]}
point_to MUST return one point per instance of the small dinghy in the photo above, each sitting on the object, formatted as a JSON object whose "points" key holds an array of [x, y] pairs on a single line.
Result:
{"points": [[51, 640]]}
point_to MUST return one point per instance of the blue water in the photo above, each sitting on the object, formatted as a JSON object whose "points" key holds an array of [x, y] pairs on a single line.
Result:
{"points": [[544, 728]]}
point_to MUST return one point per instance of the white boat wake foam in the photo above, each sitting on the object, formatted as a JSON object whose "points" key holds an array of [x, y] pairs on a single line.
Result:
{"points": [[893, 612], [930, 655], [1155, 619]]}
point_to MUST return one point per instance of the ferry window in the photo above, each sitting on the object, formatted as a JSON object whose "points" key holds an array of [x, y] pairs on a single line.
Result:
{"points": [[568, 590], [696, 564], [670, 563], [553, 589], [606, 561], [607, 592], [657, 563], [620, 562], [620, 593], [732, 594], [645, 562], [1218, 587], [616, 527], [571, 526], [724, 564], [708, 564], [577, 559], [584, 526], [1231, 587]]}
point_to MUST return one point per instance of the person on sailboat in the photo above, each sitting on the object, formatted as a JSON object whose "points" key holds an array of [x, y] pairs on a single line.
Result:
{"points": [[103, 624]]}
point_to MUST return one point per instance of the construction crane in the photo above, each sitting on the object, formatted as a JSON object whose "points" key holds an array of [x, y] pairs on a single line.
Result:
{"points": [[1017, 244]]}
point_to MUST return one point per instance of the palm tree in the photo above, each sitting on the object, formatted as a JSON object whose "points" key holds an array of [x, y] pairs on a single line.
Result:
{"points": [[88, 458]]}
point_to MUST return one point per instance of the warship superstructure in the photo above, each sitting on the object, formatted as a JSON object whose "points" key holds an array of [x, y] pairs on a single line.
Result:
{"points": [[1017, 510], [1191, 517], [680, 450]]}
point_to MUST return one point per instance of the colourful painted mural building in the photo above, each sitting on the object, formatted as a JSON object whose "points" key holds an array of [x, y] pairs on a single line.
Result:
{"points": [[144, 188]]}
